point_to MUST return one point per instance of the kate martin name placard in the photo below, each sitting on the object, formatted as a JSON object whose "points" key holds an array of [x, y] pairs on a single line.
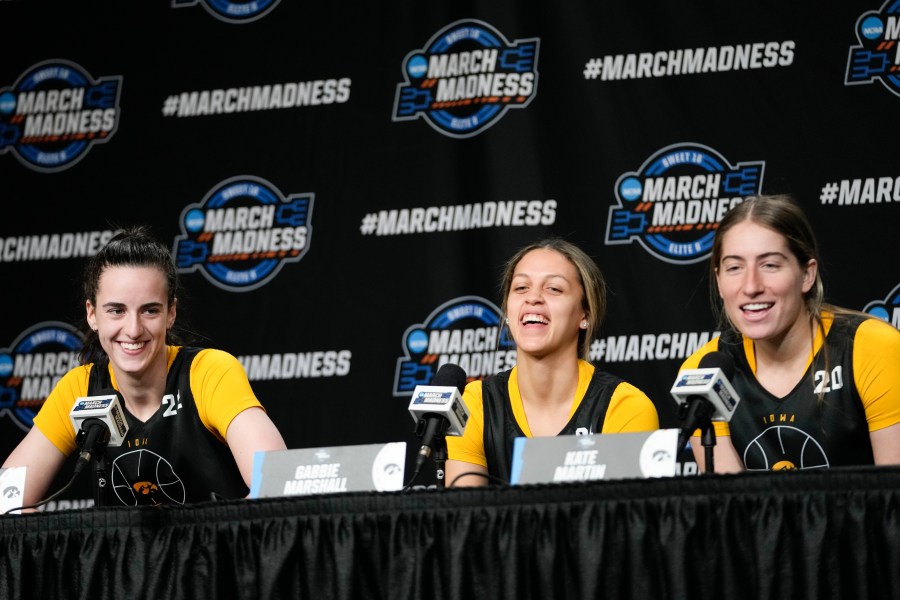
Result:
{"points": [[598, 456]]}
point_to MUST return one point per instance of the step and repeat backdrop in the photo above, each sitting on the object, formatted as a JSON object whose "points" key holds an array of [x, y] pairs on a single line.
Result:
{"points": [[341, 184]]}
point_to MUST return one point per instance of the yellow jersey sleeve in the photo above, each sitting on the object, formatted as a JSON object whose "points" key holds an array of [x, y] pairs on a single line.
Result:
{"points": [[469, 447], [221, 389], [53, 418], [630, 410], [876, 371]]}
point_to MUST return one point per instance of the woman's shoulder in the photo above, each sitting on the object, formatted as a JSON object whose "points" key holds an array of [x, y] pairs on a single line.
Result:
{"points": [[474, 387], [877, 332], [630, 404], [693, 361], [206, 358], [206, 353], [631, 392], [77, 377], [864, 327]]}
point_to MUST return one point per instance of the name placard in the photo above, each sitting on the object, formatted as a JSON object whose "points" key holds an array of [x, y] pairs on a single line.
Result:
{"points": [[12, 489], [598, 456], [305, 471]]}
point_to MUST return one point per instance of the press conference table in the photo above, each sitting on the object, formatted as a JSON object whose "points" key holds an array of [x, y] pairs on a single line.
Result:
{"points": [[812, 534]]}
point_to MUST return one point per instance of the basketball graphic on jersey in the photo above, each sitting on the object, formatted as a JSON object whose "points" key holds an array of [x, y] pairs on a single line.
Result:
{"points": [[144, 477], [784, 448]]}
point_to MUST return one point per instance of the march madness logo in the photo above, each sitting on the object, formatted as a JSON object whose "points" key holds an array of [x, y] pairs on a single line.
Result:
{"points": [[55, 113], [32, 366], [887, 309], [243, 232], [673, 204], [231, 11], [465, 331], [465, 79], [877, 56]]}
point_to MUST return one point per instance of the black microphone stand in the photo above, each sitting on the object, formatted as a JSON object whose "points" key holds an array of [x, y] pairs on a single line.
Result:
{"points": [[696, 414], [100, 480], [431, 433], [708, 439], [440, 460], [92, 440]]}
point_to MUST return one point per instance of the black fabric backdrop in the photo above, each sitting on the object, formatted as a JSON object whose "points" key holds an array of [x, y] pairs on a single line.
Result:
{"points": [[811, 534], [353, 294]]}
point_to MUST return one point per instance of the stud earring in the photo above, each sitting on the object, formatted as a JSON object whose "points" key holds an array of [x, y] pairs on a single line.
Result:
{"points": [[584, 324]]}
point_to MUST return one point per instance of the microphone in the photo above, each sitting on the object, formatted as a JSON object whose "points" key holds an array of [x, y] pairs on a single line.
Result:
{"points": [[438, 409], [99, 422], [705, 394]]}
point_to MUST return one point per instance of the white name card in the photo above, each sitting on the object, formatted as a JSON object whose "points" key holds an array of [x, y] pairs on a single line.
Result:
{"points": [[598, 456], [305, 471], [12, 489]]}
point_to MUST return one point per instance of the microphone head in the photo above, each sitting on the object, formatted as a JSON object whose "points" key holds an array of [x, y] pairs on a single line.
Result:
{"points": [[711, 381], [442, 398], [94, 434], [107, 407], [718, 360], [450, 374]]}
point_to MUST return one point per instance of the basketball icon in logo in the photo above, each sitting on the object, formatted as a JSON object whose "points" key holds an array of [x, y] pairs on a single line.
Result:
{"points": [[150, 480], [784, 448]]}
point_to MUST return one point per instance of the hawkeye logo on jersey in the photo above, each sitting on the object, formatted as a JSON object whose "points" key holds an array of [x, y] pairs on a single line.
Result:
{"points": [[466, 331], [877, 56], [243, 233], [465, 78], [230, 11], [32, 366], [55, 112], [887, 309], [673, 204]]}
